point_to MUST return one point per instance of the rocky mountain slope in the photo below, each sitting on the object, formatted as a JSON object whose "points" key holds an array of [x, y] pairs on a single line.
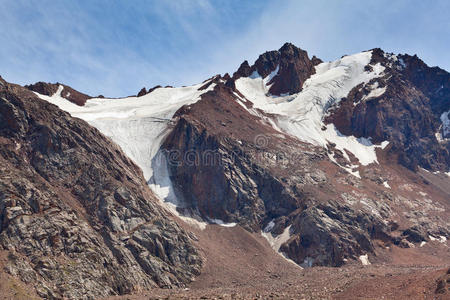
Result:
{"points": [[77, 219], [333, 164]]}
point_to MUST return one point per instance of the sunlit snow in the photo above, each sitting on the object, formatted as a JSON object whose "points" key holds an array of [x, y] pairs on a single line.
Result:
{"points": [[364, 259], [445, 123], [302, 114], [138, 125]]}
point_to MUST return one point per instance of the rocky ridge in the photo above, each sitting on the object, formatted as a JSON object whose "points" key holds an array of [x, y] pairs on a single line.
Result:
{"points": [[290, 64], [403, 107], [49, 89], [77, 218]]}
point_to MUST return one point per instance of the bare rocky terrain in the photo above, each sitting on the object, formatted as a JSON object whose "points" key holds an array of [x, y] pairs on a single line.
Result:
{"points": [[261, 213], [77, 219]]}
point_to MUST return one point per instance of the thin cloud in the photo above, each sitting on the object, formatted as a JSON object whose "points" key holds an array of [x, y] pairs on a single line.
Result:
{"points": [[115, 48]]}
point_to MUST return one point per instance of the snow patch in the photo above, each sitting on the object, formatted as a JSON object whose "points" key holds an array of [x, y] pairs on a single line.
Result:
{"points": [[445, 124], [364, 260], [138, 125], [362, 148], [278, 240], [402, 64], [374, 92], [440, 239], [60, 101], [386, 184], [307, 262], [222, 223], [348, 169], [301, 115], [271, 75], [269, 226]]}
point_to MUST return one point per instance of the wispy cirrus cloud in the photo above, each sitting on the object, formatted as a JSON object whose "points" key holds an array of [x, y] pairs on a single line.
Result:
{"points": [[116, 47]]}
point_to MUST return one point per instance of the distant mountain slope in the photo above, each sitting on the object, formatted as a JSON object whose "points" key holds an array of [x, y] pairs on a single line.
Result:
{"points": [[310, 153]]}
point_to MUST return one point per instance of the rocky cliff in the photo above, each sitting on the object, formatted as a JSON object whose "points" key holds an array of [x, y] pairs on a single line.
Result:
{"points": [[77, 218], [291, 67], [403, 106], [233, 166], [264, 179]]}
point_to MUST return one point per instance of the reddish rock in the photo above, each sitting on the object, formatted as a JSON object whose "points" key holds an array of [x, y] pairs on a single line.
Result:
{"points": [[315, 61], [294, 67], [142, 92], [407, 114], [49, 89], [154, 88], [244, 70]]}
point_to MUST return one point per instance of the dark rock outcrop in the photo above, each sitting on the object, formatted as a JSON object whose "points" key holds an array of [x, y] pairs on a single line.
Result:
{"points": [[405, 112], [49, 89], [142, 92], [433, 82], [76, 215], [244, 70], [153, 88], [294, 67], [331, 233], [227, 180]]}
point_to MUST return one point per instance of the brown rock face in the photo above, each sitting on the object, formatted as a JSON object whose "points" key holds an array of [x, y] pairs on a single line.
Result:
{"points": [[228, 164], [315, 60], [49, 89], [244, 70], [294, 67], [433, 82], [142, 92], [407, 113], [77, 218], [43, 88], [222, 178]]}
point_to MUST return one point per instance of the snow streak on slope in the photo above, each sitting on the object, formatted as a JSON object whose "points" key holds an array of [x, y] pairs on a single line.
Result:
{"points": [[375, 91], [138, 125], [276, 241], [445, 118], [302, 114]]}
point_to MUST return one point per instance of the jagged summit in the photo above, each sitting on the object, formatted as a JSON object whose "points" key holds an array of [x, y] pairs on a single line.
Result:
{"points": [[405, 87], [66, 92], [288, 67]]}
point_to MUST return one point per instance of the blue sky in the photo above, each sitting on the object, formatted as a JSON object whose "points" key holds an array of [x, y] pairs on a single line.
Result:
{"points": [[116, 47]]}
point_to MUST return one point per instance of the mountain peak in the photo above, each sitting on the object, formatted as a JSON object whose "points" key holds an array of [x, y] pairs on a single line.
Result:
{"points": [[291, 64], [50, 89], [289, 49]]}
